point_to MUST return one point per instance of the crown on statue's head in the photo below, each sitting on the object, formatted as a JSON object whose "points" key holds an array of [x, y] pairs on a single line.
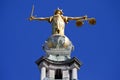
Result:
{"points": [[58, 10]]}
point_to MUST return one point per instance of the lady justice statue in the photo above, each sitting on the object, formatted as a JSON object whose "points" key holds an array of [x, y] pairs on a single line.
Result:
{"points": [[58, 44], [58, 21]]}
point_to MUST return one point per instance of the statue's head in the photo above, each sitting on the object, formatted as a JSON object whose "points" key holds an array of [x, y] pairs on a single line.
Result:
{"points": [[58, 11]]}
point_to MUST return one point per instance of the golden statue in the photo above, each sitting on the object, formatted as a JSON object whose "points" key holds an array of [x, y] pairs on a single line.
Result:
{"points": [[58, 21]]}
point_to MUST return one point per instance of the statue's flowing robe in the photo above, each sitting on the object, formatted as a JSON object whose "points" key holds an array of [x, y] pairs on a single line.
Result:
{"points": [[58, 24]]}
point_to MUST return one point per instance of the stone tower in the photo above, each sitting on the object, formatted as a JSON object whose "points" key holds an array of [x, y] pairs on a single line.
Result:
{"points": [[57, 62]]}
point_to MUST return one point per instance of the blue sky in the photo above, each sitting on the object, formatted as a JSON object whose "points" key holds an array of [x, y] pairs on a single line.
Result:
{"points": [[96, 46]]}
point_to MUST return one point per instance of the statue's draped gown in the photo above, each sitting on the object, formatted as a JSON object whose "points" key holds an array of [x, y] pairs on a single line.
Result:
{"points": [[58, 24]]}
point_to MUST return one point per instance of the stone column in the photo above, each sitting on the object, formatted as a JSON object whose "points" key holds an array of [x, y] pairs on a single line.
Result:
{"points": [[74, 74], [51, 74], [66, 75], [43, 73]]}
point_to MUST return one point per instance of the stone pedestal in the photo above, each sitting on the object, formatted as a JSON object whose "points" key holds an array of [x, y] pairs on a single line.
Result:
{"points": [[57, 63], [51, 70]]}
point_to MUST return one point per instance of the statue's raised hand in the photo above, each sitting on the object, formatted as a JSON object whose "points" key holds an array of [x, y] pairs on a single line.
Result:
{"points": [[85, 17], [31, 18]]}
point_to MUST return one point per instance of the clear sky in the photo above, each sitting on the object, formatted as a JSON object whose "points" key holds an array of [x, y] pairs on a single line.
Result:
{"points": [[96, 46]]}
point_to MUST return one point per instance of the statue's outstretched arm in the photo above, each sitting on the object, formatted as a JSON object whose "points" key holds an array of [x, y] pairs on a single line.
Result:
{"points": [[39, 18], [77, 18]]}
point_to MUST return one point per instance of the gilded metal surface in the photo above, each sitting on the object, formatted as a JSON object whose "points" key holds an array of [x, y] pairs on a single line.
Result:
{"points": [[58, 21]]}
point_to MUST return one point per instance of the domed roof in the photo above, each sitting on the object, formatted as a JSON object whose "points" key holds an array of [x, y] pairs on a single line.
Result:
{"points": [[57, 41], [58, 47]]}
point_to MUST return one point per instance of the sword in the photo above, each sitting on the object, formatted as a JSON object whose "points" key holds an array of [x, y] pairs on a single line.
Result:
{"points": [[32, 10], [31, 15]]}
